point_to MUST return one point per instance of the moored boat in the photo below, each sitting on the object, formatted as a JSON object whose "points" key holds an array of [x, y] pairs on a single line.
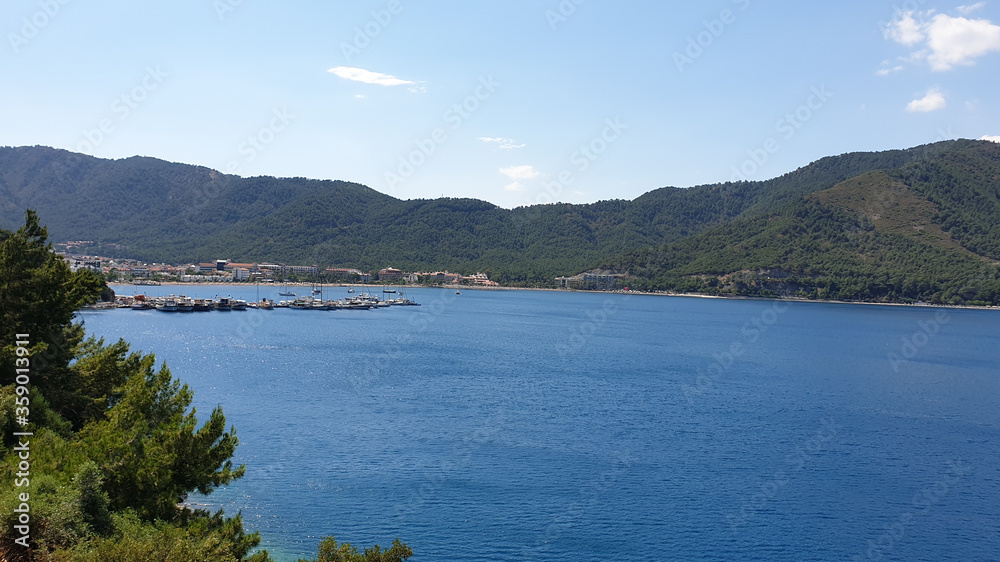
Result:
{"points": [[167, 305]]}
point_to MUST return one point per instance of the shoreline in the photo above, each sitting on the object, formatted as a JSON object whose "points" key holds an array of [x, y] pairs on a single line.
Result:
{"points": [[623, 293]]}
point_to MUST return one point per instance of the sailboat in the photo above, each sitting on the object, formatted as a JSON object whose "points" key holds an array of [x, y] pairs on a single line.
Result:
{"points": [[287, 293]]}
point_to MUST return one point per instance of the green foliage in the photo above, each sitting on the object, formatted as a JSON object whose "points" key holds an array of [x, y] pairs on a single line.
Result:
{"points": [[135, 540], [927, 231], [809, 249], [39, 296], [965, 186], [115, 444], [330, 551], [94, 500], [151, 452]]}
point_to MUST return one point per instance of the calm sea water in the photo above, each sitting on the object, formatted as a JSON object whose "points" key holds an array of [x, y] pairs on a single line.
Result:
{"points": [[519, 425]]}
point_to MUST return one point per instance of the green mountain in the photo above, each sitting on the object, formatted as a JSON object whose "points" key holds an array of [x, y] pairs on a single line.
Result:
{"points": [[926, 231], [161, 211]]}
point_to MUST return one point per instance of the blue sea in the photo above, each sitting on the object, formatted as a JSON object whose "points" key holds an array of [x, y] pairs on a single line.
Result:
{"points": [[557, 426]]}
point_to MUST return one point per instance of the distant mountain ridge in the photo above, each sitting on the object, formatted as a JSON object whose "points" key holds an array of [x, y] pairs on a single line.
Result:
{"points": [[162, 211], [926, 231]]}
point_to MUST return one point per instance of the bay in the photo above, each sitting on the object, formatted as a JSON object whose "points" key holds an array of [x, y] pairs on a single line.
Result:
{"points": [[554, 426]]}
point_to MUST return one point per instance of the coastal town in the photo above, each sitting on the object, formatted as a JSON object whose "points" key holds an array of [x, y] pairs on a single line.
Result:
{"points": [[226, 271]]}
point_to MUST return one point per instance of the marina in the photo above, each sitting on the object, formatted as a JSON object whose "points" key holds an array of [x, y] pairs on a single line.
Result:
{"points": [[172, 303]]}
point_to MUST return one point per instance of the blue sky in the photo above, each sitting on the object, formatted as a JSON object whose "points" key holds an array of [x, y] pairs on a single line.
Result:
{"points": [[515, 102]]}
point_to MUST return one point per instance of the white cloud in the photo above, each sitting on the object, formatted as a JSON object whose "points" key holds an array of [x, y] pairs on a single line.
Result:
{"points": [[520, 172], [887, 70], [516, 186], [504, 144], [991, 138], [369, 77], [966, 10], [949, 41], [905, 29], [956, 41], [933, 101]]}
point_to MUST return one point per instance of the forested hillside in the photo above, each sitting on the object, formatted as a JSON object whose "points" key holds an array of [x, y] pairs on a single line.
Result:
{"points": [[161, 211], [924, 232]]}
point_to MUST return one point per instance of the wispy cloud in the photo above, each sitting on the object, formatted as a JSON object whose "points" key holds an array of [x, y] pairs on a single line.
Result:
{"points": [[504, 144], [520, 172], [966, 10], [991, 138], [370, 77], [887, 69], [948, 41], [516, 186], [933, 101]]}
